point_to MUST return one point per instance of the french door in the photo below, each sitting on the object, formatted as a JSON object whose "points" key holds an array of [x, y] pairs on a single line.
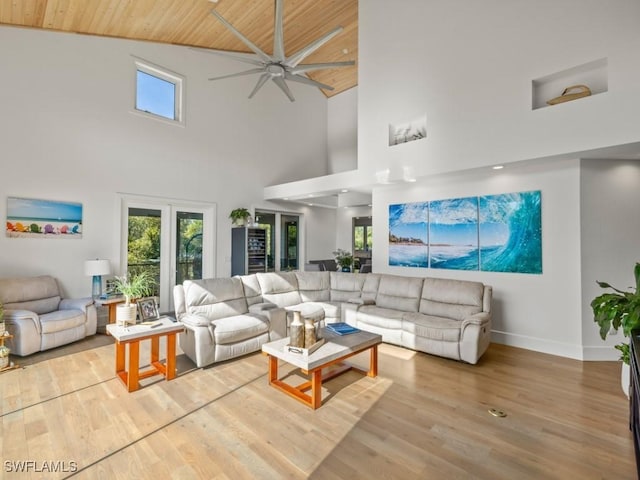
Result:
{"points": [[173, 241]]}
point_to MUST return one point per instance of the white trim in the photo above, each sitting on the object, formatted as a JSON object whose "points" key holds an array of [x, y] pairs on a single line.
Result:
{"points": [[542, 345], [604, 353], [179, 81]]}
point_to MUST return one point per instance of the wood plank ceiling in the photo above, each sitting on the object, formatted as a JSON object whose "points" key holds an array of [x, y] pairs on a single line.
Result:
{"points": [[188, 22]]}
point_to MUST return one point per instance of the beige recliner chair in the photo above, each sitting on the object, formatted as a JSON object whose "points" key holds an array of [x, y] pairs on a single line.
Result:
{"points": [[39, 318]]}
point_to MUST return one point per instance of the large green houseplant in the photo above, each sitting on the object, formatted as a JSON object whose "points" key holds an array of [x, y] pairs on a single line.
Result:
{"points": [[620, 309]]}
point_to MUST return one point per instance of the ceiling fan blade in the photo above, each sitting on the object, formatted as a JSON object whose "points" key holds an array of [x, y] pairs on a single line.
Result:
{"points": [[278, 35], [306, 81], [242, 57], [240, 74], [284, 87], [261, 81], [244, 39], [300, 55], [318, 66]]}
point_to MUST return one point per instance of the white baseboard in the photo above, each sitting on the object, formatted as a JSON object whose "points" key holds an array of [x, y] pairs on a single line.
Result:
{"points": [[552, 347]]}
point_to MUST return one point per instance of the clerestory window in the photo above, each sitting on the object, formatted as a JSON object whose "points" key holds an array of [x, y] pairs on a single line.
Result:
{"points": [[159, 92]]}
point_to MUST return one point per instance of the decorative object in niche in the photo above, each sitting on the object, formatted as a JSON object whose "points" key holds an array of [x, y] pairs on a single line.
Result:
{"points": [[493, 233], [408, 132], [579, 91], [28, 217]]}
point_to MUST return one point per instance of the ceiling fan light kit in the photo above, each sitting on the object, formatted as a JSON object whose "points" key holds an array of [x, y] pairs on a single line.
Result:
{"points": [[278, 67]]}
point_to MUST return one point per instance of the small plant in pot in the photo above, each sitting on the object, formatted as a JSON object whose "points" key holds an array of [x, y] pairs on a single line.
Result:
{"points": [[239, 216], [615, 310], [132, 287], [344, 259]]}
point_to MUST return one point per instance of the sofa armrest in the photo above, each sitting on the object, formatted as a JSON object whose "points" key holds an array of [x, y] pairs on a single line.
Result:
{"points": [[24, 325], [481, 318], [75, 303], [193, 320]]}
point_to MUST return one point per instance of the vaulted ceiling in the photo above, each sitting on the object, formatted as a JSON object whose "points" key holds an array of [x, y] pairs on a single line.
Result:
{"points": [[189, 22]]}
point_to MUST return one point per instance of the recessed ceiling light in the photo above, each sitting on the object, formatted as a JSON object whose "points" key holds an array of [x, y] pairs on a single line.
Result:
{"points": [[498, 167], [310, 204], [310, 195], [370, 205], [411, 180], [286, 198], [344, 190]]}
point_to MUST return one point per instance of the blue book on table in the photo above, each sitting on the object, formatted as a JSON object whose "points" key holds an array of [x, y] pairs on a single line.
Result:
{"points": [[342, 328]]}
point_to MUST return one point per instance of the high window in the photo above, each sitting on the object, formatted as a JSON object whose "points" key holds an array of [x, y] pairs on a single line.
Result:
{"points": [[159, 92]]}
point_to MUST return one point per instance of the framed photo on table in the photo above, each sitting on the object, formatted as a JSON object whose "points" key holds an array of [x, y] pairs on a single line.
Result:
{"points": [[147, 308]]}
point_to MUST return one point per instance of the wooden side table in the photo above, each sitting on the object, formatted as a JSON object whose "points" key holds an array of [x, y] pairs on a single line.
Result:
{"points": [[11, 365], [111, 303], [132, 336]]}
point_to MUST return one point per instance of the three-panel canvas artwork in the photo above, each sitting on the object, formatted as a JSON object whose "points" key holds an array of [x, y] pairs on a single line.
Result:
{"points": [[494, 233]]}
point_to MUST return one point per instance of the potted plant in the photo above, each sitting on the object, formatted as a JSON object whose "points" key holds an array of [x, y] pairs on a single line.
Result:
{"points": [[344, 259], [239, 216], [620, 309], [131, 287]]}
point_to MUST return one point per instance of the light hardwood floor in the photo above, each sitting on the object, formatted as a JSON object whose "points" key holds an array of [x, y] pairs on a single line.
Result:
{"points": [[423, 417]]}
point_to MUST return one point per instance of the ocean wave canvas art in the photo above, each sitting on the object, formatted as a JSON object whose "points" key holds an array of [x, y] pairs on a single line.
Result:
{"points": [[511, 232], [408, 235], [453, 234], [492, 233]]}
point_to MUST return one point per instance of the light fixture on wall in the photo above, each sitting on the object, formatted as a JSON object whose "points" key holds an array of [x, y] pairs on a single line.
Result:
{"points": [[97, 268]]}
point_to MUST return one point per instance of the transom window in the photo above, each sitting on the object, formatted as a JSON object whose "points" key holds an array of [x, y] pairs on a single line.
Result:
{"points": [[159, 93]]}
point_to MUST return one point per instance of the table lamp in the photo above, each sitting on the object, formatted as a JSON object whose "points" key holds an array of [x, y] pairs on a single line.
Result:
{"points": [[97, 268]]}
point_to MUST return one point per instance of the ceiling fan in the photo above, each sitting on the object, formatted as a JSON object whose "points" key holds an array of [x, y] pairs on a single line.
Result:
{"points": [[278, 67]]}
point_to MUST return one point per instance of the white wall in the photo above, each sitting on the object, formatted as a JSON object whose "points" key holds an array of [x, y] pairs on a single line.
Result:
{"points": [[342, 131], [68, 134], [539, 312], [468, 66], [610, 225]]}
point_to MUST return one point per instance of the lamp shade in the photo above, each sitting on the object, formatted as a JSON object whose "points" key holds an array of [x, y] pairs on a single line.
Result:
{"points": [[97, 267]]}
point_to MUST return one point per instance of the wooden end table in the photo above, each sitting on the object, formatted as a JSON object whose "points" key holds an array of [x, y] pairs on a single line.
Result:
{"points": [[335, 350], [132, 336], [111, 304]]}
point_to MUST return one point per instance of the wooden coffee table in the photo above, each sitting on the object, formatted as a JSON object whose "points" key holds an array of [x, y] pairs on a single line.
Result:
{"points": [[335, 350], [132, 336]]}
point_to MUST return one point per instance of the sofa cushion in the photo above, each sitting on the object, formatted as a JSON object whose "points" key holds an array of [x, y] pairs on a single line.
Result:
{"points": [[61, 320], [215, 298], [428, 326], [313, 286], [379, 317], [279, 288], [251, 287], [370, 287], [456, 299], [239, 327], [399, 293], [345, 286], [36, 294]]}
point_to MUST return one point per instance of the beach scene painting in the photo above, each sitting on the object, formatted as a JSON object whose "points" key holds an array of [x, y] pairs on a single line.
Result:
{"points": [[453, 234], [408, 235], [511, 232], [28, 217]]}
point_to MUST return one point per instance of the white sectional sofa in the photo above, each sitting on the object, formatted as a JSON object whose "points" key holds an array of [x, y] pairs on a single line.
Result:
{"points": [[229, 317]]}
